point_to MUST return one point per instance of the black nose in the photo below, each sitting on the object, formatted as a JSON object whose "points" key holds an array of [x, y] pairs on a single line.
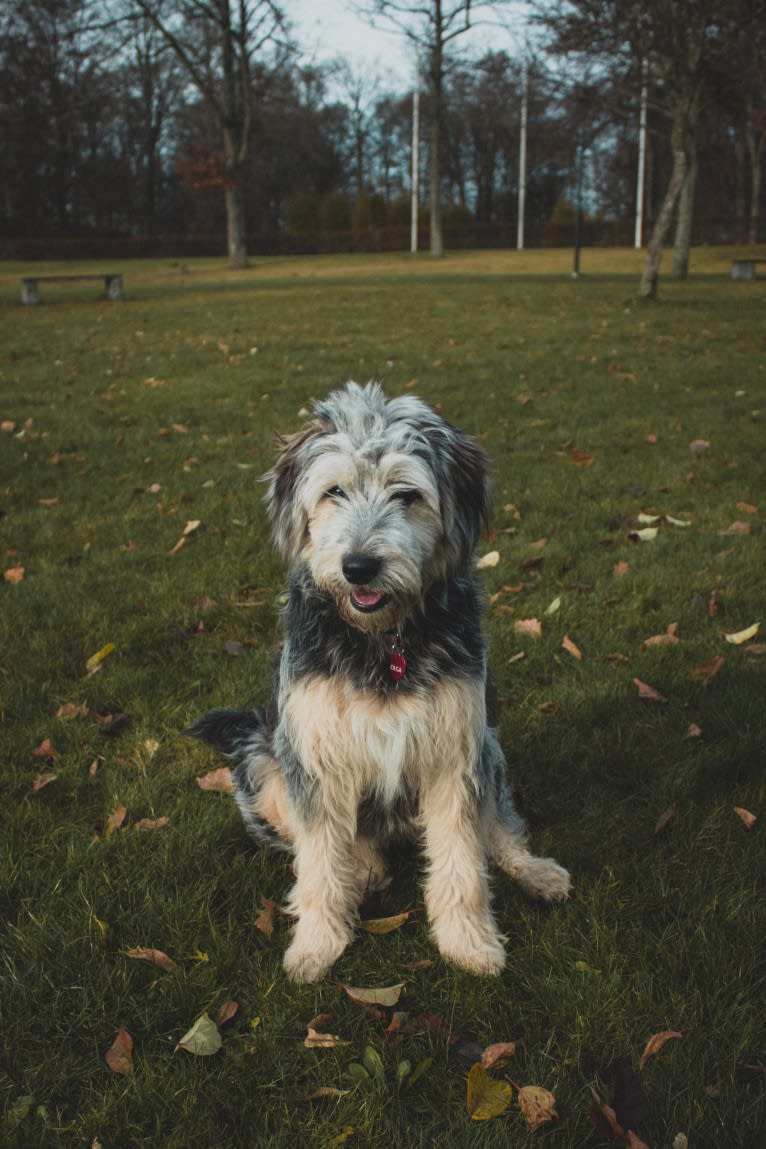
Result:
{"points": [[359, 568]]}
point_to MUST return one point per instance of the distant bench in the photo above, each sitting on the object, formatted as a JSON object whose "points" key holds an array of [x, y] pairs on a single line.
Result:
{"points": [[31, 294], [745, 268]]}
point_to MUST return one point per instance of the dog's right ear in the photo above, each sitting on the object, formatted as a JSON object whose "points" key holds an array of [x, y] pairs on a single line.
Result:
{"points": [[287, 515]]}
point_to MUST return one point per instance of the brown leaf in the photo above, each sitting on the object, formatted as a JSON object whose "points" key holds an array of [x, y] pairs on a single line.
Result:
{"points": [[45, 750], [220, 779], [119, 1055], [655, 1044], [738, 527], [748, 818], [648, 693], [667, 639], [151, 823], [530, 626], [41, 781], [537, 1105], [666, 819], [227, 1011], [265, 920], [498, 1054], [155, 957], [570, 648], [619, 570], [694, 731], [115, 820], [748, 508], [385, 925], [709, 670], [14, 575], [316, 1040], [579, 457], [69, 710], [386, 996]]}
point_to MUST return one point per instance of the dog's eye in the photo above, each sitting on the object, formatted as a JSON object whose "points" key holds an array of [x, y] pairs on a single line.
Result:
{"points": [[407, 497], [335, 493]]}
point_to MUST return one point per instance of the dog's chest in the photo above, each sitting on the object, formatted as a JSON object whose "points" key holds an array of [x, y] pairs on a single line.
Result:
{"points": [[356, 741]]}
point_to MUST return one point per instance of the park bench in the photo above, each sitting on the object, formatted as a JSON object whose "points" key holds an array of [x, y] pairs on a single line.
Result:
{"points": [[745, 268], [31, 294]]}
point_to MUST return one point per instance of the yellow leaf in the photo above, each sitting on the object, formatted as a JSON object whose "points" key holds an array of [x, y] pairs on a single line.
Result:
{"points": [[655, 1044], [741, 636], [489, 560], [646, 535], [96, 659], [537, 1105], [385, 995], [385, 925], [203, 1039], [486, 1097], [570, 648]]}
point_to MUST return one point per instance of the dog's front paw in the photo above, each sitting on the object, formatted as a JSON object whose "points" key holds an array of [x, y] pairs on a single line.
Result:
{"points": [[312, 951], [474, 946], [544, 878]]}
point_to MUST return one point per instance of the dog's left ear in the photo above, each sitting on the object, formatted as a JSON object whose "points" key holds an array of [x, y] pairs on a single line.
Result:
{"points": [[466, 510], [286, 514]]}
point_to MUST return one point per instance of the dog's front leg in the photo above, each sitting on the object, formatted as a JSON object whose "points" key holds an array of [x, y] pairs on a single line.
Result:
{"points": [[457, 890], [324, 898]]}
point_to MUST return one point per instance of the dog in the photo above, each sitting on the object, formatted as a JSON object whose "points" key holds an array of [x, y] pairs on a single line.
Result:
{"points": [[377, 730]]}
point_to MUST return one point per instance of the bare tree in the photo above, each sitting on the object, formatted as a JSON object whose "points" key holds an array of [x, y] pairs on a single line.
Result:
{"points": [[431, 26], [216, 42]]}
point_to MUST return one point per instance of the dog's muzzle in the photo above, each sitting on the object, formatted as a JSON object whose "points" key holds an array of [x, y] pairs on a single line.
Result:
{"points": [[359, 569]]}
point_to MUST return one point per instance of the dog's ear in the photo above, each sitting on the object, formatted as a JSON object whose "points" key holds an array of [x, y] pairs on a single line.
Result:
{"points": [[287, 516], [466, 505]]}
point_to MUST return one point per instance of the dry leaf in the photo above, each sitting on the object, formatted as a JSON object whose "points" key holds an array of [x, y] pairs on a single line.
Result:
{"points": [[709, 670], [530, 626], [119, 1055], [605, 1120], [579, 457], [220, 779], [265, 920], [489, 560], [655, 1044], [699, 446], [227, 1011], [537, 1105], [385, 925], [45, 750], [554, 607], [69, 710], [151, 823], [486, 1097], [14, 575], [203, 1039], [741, 636], [648, 692], [41, 781], [667, 818], [497, 1055], [694, 731], [95, 660], [619, 570], [386, 996], [748, 508], [746, 816], [315, 1040], [154, 957], [668, 638], [115, 820], [570, 648], [326, 1093], [645, 535], [737, 528]]}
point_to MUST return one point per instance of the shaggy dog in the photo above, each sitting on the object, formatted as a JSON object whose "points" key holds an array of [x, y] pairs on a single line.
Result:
{"points": [[379, 726]]}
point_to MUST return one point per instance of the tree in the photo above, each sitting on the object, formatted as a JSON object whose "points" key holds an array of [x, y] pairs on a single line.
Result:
{"points": [[431, 26], [216, 41]]}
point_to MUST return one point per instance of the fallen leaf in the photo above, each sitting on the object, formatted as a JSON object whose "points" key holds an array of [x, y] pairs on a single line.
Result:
{"points": [[649, 520], [694, 731], [737, 528], [748, 508], [605, 1120], [489, 560], [709, 670], [579, 457], [699, 446], [220, 779], [677, 522], [45, 750], [648, 693], [41, 781], [497, 1055], [385, 925], [154, 957], [748, 818], [265, 920], [486, 1097], [115, 821], [554, 607], [537, 1105], [386, 996], [655, 1044], [740, 636], [226, 1012], [756, 648], [69, 710], [530, 626], [14, 575], [645, 535], [151, 823], [667, 639], [619, 570], [95, 660], [191, 526], [666, 819], [326, 1093], [316, 1040], [203, 1039], [570, 648], [111, 722], [119, 1055]]}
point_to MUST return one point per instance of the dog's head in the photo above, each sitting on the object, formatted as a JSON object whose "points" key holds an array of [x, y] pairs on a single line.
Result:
{"points": [[380, 499]]}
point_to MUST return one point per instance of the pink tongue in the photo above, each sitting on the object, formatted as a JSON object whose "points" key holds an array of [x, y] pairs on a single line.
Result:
{"points": [[367, 598]]}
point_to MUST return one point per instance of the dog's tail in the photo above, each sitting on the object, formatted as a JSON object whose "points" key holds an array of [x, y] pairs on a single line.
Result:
{"points": [[230, 732]]}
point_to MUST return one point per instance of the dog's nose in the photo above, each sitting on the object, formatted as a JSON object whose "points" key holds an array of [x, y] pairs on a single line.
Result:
{"points": [[360, 568]]}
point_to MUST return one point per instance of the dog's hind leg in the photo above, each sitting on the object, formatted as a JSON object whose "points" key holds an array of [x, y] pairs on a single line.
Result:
{"points": [[539, 877]]}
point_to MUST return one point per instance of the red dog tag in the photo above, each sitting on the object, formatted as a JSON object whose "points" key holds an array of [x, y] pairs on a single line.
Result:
{"points": [[397, 665]]}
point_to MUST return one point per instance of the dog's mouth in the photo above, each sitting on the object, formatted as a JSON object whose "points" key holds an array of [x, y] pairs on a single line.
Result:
{"points": [[368, 601]]}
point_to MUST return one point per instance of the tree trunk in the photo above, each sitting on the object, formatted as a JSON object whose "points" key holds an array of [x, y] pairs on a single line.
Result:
{"points": [[755, 150], [650, 277], [235, 220], [436, 85], [683, 237]]}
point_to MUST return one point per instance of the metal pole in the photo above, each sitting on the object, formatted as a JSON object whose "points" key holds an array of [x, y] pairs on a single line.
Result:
{"points": [[523, 154], [415, 171], [641, 157]]}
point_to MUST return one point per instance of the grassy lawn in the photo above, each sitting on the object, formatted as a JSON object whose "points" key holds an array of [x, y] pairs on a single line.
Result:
{"points": [[123, 426]]}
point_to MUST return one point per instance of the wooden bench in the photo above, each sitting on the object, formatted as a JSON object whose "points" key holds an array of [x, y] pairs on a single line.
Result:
{"points": [[31, 294], [745, 268]]}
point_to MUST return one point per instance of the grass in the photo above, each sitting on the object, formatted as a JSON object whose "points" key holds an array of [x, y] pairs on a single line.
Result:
{"points": [[130, 421]]}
